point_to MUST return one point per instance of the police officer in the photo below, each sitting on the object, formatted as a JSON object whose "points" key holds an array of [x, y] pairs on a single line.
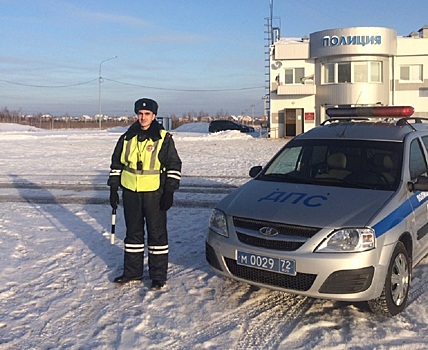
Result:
{"points": [[146, 165]]}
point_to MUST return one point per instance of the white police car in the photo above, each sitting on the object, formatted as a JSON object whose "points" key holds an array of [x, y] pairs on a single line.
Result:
{"points": [[340, 212]]}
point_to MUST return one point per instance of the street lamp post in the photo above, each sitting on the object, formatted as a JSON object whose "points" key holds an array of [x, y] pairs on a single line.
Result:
{"points": [[99, 87]]}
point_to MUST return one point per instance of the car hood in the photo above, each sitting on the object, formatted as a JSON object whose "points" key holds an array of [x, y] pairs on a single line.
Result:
{"points": [[306, 205]]}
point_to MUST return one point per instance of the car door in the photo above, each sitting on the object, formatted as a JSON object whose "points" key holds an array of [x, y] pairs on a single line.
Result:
{"points": [[422, 238], [417, 167]]}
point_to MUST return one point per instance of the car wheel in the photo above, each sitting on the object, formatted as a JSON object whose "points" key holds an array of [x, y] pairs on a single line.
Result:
{"points": [[396, 288]]}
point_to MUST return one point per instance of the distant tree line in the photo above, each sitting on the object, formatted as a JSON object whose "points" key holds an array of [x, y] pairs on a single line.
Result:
{"points": [[47, 121]]}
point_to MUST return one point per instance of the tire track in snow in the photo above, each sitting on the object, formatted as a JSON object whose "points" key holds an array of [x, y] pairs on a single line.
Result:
{"points": [[418, 285], [269, 317], [269, 328], [261, 322]]}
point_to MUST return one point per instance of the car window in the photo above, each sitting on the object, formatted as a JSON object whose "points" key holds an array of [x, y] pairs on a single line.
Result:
{"points": [[286, 162], [417, 164], [345, 163], [425, 141]]}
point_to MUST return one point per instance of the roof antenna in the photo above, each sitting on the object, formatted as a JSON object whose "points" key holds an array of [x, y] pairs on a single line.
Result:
{"points": [[358, 97]]}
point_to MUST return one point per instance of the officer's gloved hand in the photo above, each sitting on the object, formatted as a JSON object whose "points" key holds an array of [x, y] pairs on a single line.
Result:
{"points": [[114, 197], [166, 200], [114, 182]]}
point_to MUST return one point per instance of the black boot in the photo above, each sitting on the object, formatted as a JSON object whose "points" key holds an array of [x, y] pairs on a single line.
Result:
{"points": [[125, 279], [157, 285]]}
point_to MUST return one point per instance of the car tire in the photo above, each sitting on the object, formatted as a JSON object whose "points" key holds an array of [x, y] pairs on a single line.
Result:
{"points": [[396, 288]]}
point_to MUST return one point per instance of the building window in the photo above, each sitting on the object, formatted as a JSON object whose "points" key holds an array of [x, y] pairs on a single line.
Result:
{"points": [[329, 73], [353, 72], [344, 72], [411, 73], [375, 72], [294, 75], [299, 74], [361, 72], [288, 76]]}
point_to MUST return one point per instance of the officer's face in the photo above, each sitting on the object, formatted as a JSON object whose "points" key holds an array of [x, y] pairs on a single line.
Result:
{"points": [[145, 118]]}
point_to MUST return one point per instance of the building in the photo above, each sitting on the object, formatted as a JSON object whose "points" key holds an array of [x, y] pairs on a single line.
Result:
{"points": [[358, 66]]}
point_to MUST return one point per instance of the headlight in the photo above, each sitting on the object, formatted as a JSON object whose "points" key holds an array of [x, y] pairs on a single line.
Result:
{"points": [[218, 222], [348, 240]]}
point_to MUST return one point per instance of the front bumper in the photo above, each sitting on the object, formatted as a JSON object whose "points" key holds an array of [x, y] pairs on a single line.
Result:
{"points": [[339, 276]]}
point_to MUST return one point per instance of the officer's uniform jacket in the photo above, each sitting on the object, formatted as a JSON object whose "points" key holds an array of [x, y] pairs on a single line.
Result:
{"points": [[145, 160]]}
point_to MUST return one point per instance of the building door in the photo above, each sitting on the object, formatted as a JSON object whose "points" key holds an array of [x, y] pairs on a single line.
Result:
{"points": [[290, 122]]}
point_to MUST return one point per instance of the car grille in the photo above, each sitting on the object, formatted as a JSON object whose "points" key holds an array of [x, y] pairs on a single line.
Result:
{"points": [[300, 282], [272, 243]]}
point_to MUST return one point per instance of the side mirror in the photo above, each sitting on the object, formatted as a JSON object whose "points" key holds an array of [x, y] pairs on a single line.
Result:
{"points": [[255, 170], [421, 184]]}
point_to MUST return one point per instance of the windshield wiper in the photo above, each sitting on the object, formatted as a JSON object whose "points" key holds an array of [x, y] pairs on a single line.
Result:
{"points": [[286, 178]]}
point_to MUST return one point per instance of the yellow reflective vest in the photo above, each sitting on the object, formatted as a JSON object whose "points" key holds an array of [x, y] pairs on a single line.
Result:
{"points": [[142, 169]]}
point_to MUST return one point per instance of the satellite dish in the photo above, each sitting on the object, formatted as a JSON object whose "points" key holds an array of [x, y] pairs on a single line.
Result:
{"points": [[276, 65]]}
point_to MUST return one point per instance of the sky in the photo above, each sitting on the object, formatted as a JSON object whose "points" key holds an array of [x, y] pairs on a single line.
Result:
{"points": [[191, 56], [57, 261]]}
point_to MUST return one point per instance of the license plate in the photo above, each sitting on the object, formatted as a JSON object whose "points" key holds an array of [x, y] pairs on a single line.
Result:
{"points": [[285, 266]]}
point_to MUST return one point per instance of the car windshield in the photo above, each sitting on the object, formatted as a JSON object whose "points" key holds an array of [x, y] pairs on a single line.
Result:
{"points": [[345, 163]]}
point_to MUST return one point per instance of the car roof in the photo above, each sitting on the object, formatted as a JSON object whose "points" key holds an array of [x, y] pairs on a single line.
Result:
{"points": [[393, 130], [223, 121]]}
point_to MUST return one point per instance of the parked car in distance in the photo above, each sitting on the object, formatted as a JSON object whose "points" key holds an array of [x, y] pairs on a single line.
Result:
{"points": [[339, 213], [223, 125]]}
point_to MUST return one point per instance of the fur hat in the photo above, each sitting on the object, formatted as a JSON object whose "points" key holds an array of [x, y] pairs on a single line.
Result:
{"points": [[146, 104]]}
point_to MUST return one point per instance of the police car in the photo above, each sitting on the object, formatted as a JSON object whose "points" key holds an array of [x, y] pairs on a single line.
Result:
{"points": [[339, 213]]}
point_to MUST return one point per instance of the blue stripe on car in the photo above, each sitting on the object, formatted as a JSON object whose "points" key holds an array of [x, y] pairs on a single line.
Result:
{"points": [[399, 214]]}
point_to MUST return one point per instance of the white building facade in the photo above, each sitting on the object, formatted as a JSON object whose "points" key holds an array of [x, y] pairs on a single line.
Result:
{"points": [[358, 66]]}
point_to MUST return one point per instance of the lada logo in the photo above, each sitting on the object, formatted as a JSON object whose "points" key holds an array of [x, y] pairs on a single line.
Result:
{"points": [[269, 231]]}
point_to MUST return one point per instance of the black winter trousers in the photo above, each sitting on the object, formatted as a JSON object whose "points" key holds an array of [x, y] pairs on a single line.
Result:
{"points": [[142, 209]]}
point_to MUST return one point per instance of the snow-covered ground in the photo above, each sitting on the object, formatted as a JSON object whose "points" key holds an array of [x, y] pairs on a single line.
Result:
{"points": [[57, 263]]}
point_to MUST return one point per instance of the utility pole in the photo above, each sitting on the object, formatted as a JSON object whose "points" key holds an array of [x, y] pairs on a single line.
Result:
{"points": [[99, 87]]}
